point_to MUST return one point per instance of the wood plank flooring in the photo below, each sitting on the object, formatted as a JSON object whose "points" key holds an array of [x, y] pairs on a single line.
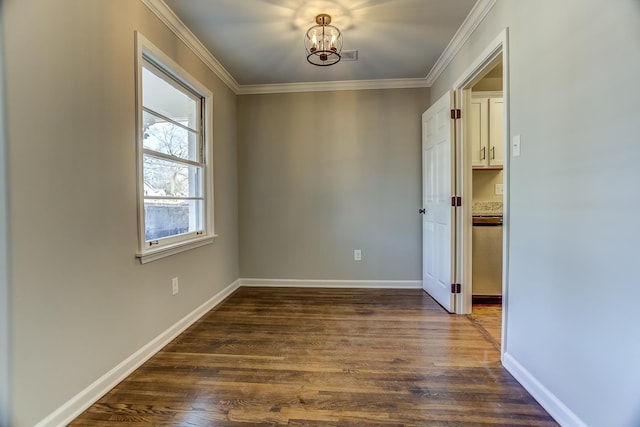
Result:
{"points": [[322, 357], [488, 319]]}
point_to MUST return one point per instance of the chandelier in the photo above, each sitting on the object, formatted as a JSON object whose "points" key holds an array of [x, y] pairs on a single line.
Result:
{"points": [[323, 42]]}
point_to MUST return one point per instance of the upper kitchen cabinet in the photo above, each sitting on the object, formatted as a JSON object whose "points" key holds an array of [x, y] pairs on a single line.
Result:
{"points": [[487, 130]]}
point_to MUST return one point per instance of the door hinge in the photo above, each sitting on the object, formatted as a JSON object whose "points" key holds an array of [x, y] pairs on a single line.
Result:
{"points": [[455, 113], [456, 201], [456, 288]]}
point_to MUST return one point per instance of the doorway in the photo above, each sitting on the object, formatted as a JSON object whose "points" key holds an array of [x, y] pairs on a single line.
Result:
{"points": [[483, 183], [486, 143], [450, 157]]}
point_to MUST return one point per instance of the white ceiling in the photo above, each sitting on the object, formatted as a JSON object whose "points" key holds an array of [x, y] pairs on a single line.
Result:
{"points": [[260, 42]]}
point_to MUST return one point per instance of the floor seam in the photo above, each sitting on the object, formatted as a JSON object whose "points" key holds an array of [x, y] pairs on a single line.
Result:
{"points": [[483, 331]]}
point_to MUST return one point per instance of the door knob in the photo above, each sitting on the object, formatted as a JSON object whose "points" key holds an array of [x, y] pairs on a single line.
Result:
{"points": [[422, 211]]}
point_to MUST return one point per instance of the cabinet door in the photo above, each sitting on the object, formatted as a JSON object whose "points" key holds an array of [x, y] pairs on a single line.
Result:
{"points": [[479, 132], [496, 132]]}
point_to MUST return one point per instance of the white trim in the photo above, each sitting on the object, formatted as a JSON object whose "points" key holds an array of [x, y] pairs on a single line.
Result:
{"points": [[87, 397], [499, 46], [147, 51], [363, 284], [549, 401], [171, 20], [332, 86], [92, 393], [506, 181], [165, 251], [5, 307], [475, 17], [492, 51]]}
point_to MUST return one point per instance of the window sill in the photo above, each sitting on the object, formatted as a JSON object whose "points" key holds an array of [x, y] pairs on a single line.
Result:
{"points": [[165, 251]]}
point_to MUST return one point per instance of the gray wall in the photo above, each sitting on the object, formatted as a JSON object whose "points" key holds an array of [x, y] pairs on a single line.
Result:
{"points": [[573, 281], [81, 302], [322, 174]]}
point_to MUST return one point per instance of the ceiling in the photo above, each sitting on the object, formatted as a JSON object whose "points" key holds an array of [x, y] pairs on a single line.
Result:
{"points": [[260, 42]]}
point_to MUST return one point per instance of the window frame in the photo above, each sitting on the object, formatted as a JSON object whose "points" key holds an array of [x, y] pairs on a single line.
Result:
{"points": [[148, 52]]}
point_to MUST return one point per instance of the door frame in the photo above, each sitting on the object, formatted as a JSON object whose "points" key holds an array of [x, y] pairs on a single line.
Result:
{"points": [[464, 182]]}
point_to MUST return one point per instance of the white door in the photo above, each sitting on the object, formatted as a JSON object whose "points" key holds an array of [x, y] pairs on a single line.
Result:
{"points": [[438, 217]]}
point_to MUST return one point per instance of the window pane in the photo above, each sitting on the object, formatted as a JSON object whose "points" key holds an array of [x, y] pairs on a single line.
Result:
{"points": [[167, 218], [171, 162], [161, 96], [173, 179], [167, 138]]}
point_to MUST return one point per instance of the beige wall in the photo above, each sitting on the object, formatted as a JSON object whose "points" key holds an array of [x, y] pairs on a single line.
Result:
{"points": [[484, 184], [81, 302], [491, 84], [574, 229], [324, 173]]}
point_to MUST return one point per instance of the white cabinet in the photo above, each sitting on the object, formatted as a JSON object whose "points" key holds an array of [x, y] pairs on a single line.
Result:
{"points": [[487, 130]]}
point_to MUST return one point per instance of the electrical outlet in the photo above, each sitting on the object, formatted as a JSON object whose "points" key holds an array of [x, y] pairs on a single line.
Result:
{"points": [[174, 286], [499, 189], [357, 255]]}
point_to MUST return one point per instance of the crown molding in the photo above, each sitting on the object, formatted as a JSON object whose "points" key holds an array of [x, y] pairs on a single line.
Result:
{"points": [[169, 18], [475, 17], [332, 86]]}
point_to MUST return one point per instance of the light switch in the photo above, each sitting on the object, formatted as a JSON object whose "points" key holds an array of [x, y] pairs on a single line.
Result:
{"points": [[515, 146]]}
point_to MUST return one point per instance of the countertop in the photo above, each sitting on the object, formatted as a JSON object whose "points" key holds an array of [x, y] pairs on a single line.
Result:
{"points": [[486, 208]]}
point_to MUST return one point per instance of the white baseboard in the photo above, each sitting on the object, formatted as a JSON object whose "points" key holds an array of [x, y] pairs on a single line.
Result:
{"points": [[87, 397], [83, 400], [554, 406], [294, 283], [92, 393]]}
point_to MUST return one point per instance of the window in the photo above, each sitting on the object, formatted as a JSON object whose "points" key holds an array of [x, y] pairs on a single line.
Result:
{"points": [[174, 171]]}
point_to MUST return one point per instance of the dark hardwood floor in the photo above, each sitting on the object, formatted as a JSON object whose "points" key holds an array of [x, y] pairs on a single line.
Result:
{"points": [[322, 357]]}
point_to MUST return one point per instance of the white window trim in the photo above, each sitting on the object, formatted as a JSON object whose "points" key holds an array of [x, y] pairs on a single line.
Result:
{"points": [[146, 49]]}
